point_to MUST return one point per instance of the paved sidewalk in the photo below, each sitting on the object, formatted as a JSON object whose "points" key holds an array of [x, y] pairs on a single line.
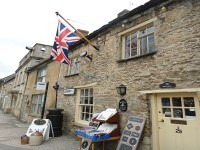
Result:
{"points": [[11, 131]]}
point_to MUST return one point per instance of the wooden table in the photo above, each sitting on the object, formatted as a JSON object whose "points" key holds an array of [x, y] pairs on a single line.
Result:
{"points": [[92, 142]]}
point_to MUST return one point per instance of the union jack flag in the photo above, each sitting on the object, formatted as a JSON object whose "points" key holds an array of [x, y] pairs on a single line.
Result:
{"points": [[64, 38]]}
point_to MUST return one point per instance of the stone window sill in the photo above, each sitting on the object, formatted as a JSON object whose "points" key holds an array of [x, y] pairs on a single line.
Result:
{"points": [[136, 57], [67, 76]]}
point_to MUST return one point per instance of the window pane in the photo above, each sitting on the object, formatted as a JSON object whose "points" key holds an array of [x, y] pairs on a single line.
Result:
{"points": [[127, 46], [86, 92], [150, 29], [134, 44], [90, 100], [82, 116], [87, 109], [165, 101], [91, 92], [178, 113], [87, 117], [82, 92], [82, 108], [143, 45], [176, 101], [188, 101], [133, 52], [142, 32], [151, 47], [167, 112], [81, 100], [86, 100], [151, 38], [190, 113]]}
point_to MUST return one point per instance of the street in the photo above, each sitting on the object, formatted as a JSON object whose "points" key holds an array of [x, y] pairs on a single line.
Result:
{"points": [[11, 131]]}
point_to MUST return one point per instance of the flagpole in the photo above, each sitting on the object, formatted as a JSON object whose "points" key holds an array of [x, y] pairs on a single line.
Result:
{"points": [[57, 13]]}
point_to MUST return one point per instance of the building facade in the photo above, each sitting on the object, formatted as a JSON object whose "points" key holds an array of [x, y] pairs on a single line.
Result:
{"points": [[154, 51], [6, 96], [35, 55], [45, 72]]}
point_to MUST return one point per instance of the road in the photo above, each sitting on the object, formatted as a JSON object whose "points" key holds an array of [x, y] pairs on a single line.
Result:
{"points": [[11, 131]]}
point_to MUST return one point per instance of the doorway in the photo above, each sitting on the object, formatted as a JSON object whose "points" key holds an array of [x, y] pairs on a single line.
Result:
{"points": [[178, 116]]}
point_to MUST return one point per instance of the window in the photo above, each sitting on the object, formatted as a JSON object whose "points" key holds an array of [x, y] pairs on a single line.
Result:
{"points": [[74, 68], [85, 106], [37, 104], [178, 107], [41, 75], [139, 42]]}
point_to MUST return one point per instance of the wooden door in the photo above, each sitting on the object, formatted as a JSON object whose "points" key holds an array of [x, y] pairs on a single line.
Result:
{"points": [[178, 121]]}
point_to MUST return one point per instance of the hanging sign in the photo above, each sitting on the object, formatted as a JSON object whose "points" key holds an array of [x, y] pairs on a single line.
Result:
{"points": [[167, 85], [123, 105]]}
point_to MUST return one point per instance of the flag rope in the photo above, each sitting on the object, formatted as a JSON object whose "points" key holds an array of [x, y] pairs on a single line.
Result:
{"points": [[79, 33]]}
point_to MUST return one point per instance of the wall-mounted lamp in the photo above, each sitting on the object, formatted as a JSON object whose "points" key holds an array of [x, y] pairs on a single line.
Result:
{"points": [[84, 54], [163, 9], [121, 89], [43, 49]]}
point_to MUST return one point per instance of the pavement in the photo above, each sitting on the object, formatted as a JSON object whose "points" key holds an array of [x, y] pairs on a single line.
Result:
{"points": [[11, 131]]}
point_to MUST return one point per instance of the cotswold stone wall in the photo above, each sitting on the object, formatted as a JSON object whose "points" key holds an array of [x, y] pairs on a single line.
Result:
{"points": [[177, 59]]}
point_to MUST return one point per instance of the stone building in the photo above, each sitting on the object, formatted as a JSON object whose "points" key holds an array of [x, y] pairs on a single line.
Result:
{"points": [[47, 72], [6, 96], [154, 51], [35, 55]]}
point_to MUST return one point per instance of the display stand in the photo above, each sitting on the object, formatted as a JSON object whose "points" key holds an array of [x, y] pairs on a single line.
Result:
{"points": [[114, 120], [91, 142], [40, 125], [113, 135]]}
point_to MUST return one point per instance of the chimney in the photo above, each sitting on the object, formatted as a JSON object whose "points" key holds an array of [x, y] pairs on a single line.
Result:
{"points": [[123, 12], [83, 32]]}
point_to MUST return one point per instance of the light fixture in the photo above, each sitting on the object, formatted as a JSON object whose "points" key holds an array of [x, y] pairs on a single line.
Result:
{"points": [[121, 89], [43, 49], [84, 54], [163, 9]]}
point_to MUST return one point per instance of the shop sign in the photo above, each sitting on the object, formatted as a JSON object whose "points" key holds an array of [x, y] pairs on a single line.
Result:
{"points": [[41, 86], [167, 85], [69, 91]]}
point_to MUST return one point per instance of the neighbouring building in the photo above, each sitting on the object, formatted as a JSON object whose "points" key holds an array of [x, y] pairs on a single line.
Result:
{"points": [[36, 54], [154, 51], [47, 72], [6, 97]]}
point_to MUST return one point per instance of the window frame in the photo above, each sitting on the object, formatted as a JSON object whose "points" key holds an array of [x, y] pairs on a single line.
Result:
{"points": [[132, 30], [38, 100], [42, 77], [74, 68], [78, 120]]}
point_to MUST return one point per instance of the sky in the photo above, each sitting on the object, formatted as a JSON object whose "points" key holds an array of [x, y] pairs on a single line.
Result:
{"points": [[27, 22]]}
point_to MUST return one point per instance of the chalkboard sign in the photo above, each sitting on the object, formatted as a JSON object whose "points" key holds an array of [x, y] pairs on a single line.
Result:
{"points": [[131, 134]]}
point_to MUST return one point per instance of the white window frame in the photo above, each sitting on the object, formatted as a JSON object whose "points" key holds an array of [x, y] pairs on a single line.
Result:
{"points": [[37, 104], [136, 29], [42, 74], [74, 68], [78, 119]]}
